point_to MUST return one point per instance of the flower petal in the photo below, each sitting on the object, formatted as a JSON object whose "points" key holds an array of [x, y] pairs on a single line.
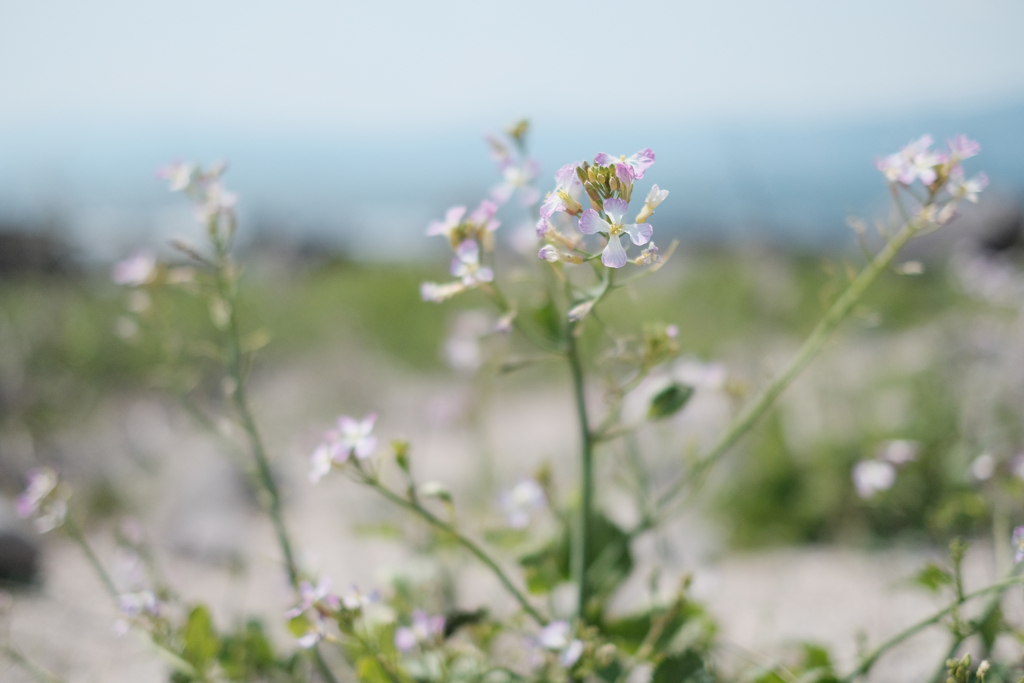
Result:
{"points": [[603, 159], [591, 222], [616, 209], [614, 256], [639, 233], [641, 161]]}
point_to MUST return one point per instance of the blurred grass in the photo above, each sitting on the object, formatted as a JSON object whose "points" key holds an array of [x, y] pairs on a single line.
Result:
{"points": [[60, 355]]}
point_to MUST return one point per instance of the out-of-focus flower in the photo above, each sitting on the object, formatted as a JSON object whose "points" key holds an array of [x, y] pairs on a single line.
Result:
{"points": [[914, 161], [310, 596], [137, 607], [517, 176], [425, 629], [462, 349], [1017, 540], [628, 168], [352, 437], [561, 198], [466, 265], [898, 451], [962, 147], [520, 501], [648, 256], [356, 599], [551, 254], [136, 270], [438, 292], [654, 199], [557, 637], [483, 216], [580, 311], [983, 467], [872, 476], [960, 187], [44, 499], [204, 188], [672, 331], [614, 256], [505, 322], [126, 328], [452, 219]]}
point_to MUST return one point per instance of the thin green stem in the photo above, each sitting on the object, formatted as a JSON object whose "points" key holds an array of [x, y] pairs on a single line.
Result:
{"points": [[892, 642], [838, 312], [266, 476], [34, 670], [464, 541], [75, 532], [581, 558]]}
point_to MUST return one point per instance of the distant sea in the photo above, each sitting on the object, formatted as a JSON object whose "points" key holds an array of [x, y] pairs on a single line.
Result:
{"points": [[373, 194]]}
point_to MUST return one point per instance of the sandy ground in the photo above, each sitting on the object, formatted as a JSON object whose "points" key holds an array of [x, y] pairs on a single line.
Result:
{"points": [[191, 500]]}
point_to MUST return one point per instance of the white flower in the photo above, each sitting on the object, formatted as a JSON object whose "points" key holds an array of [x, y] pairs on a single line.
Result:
{"points": [[655, 197], [872, 476], [556, 637], [983, 467], [43, 500], [435, 292], [136, 270], [466, 265], [352, 437], [898, 451], [521, 500]]}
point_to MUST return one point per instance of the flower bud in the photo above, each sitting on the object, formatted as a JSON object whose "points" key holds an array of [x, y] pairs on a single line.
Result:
{"points": [[595, 198]]}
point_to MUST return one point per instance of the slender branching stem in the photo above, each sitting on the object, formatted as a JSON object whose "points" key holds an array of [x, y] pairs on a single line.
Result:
{"points": [[469, 544], [34, 670], [75, 532], [892, 642], [226, 289], [581, 558], [835, 315]]}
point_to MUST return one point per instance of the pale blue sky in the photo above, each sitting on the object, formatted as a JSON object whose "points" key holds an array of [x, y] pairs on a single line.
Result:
{"points": [[763, 112], [332, 66]]}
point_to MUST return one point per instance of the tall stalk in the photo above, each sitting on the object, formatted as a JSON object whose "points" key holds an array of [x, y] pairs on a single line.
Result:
{"points": [[582, 555], [227, 291], [835, 315]]}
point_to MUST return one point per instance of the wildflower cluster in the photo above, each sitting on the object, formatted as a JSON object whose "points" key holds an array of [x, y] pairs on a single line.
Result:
{"points": [[571, 556], [45, 499], [938, 171]]}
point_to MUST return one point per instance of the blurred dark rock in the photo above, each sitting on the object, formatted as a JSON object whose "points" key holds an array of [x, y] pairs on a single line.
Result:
{"points": [[19, 559], [25, 251], [19, 551]]}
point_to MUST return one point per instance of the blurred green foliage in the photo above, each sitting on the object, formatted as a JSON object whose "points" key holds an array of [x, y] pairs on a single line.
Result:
{"points": [[61, 355]]}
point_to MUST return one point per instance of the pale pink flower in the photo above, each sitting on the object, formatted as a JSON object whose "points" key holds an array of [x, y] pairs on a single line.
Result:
{"points": [[424, 630], [438, 292], [136, 270], [1018, 543], [466, 265], [351, 438], [614, 256], [557, 637], [872, 476], [43, 500], [628, 168], [962, 147], [961, 187], [452, 219], [915, 161], [521, 501]]}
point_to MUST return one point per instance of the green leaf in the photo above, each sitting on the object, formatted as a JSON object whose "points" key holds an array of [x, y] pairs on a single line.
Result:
{"points": [[246, 654], [990, 627], [201, 642], [610, 561], [933, 577], [368, 669], [669, 401], [549, 320], [688, 666]]}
